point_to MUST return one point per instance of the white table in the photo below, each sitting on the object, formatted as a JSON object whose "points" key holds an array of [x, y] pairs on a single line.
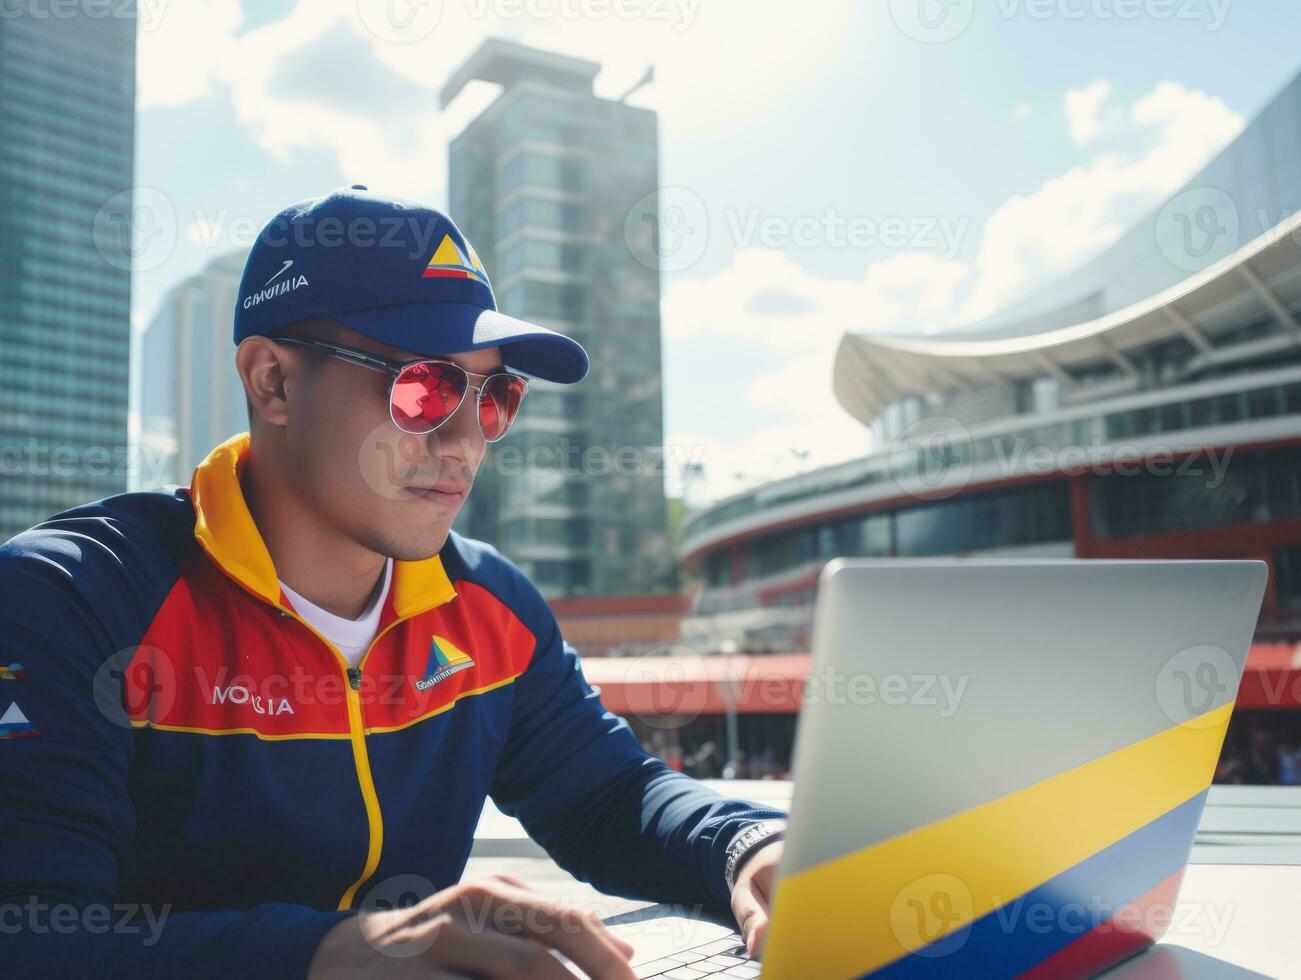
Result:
{"points": [[1239, 912]]}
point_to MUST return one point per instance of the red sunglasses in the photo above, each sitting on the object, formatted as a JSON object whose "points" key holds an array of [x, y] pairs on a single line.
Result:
{"points": [[425, 393]]}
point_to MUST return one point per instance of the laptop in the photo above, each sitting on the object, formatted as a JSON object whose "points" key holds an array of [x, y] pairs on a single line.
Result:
{"points": [[999, 766]]}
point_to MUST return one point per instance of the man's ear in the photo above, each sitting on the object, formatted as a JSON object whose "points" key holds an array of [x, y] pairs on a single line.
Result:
{"points": [[263, 368]]}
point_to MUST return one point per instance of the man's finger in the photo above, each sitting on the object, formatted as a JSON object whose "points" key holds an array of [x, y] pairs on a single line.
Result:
{"points": [[493, 955], [751, 917], [625, 947], [583, 937], [515, 882], [580, 935]]}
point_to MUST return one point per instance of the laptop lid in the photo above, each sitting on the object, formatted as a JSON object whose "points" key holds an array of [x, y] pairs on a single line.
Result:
{"points": [[1000, 765]]}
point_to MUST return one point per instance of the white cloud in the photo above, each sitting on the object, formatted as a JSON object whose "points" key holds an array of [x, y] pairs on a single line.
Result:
{"points": [[1192, 125], [1083, 108], [762, 297], [766, 454], [1030, 236], [905, 289], [401, 152], [193, 48], [179, 47], [1072, 216], [315, 79], [763, 55]]}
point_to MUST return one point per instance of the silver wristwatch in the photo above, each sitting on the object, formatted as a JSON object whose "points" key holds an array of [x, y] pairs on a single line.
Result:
{"points": [[747, 843]]}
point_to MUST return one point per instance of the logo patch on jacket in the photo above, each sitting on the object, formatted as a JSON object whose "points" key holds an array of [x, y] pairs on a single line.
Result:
{"points": [[14, 724], [445, 659], [12, 672]]}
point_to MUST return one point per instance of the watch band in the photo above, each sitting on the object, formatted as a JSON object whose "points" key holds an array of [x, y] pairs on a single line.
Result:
{"points": [[746, 843]]}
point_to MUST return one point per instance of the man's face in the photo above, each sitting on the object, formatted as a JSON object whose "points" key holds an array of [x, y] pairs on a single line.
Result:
{"points": [[394, 492]]}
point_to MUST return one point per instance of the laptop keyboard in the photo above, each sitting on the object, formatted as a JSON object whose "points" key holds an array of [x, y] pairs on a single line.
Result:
{"points": [[721, 958]]}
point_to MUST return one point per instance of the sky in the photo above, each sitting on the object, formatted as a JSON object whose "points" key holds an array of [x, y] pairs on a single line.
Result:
{"points": [[889, 165]]}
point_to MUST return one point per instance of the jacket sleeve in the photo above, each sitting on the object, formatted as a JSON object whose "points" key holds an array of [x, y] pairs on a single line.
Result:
{"points": [[608, 812], [66, 815]]}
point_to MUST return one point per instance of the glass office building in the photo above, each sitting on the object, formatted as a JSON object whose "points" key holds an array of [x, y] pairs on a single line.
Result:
{"points": [[1146, 405], [542, 183], [190, 398], [67, 131]]}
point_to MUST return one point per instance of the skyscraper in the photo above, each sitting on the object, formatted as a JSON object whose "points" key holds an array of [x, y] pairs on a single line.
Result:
{"points": [[543, 182], [67, 135], [191, 397]]}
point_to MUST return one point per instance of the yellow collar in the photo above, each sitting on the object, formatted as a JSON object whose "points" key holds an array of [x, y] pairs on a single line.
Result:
{"points": [[225, 529]]}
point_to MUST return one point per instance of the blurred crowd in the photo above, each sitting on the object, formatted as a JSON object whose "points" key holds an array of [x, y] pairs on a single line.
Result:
{"points": [[700, 750], [1261, 749]]}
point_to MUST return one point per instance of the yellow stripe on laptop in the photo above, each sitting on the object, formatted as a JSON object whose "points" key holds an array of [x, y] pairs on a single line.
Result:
{"points": [[834, 919]]}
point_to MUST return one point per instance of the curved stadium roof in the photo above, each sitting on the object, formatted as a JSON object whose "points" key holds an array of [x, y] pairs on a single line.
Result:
{"points": [[1139, 291], [1261, 280]]}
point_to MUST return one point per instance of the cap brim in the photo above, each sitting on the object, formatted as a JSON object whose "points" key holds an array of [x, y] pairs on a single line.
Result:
{"points": [[436, 329]]}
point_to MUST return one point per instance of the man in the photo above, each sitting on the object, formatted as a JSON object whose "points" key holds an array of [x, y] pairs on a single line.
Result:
{"points": [[268, 704]]}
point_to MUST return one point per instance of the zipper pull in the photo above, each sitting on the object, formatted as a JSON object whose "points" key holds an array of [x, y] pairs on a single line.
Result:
{"points": [[354, 678]]}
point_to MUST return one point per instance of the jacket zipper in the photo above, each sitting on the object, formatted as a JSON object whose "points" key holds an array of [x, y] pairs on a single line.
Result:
{"points": [[361, 759], [356, 730]]}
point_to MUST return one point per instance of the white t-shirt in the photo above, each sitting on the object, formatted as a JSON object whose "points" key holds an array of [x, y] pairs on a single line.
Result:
{"points": [[351, 636]]}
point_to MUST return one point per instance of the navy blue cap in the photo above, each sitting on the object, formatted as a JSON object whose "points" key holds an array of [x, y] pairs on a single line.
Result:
{"points": [[393, 270]]}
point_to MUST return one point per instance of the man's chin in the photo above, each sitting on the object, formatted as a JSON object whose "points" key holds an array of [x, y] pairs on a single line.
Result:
{"points": [[407, 547]]}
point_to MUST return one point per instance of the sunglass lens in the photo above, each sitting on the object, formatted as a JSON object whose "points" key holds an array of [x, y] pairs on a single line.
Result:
{"points": [[499, 404], [425, 394]]}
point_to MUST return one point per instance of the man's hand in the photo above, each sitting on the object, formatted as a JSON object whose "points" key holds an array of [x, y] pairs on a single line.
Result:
{"points": [[498, 928], [752, 896]]}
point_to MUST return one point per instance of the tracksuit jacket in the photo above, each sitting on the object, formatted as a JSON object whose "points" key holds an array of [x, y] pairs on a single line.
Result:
{"points": [[176, 737]]}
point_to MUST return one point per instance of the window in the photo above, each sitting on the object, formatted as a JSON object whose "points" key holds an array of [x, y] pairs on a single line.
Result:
{"points": [[1253, 487], [1203, 412], [1171, 417], [981, 522], [543, 170], [717, 568], [1292, 398], [1263, 403], [1230, 406]]}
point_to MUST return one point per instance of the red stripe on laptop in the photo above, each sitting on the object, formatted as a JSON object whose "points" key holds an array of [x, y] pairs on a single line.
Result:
{"points": [[1129, 932]]}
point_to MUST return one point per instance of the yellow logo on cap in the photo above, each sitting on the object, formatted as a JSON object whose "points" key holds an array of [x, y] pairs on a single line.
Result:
{"points": [[449, 261]]}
